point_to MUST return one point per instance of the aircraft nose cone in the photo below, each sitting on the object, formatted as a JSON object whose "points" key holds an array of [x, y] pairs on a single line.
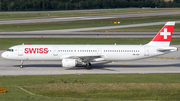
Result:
{"points": [[3, 55]]}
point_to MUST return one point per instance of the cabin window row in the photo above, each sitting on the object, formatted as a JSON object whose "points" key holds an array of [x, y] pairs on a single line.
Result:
{"points": [[77, 50], [121, 51]]}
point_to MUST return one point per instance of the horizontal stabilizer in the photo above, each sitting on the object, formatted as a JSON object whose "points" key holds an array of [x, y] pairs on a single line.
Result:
{"points": [[168, 49]]}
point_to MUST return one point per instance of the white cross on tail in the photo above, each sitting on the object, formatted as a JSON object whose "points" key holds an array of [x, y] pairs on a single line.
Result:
{"points": [[165, 33]]}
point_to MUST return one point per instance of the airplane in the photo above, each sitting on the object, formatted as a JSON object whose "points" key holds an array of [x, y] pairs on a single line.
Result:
{"points": [[71, 55]]}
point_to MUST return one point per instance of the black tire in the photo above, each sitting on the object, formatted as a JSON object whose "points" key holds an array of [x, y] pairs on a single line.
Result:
{"points": [[88, 66], [21, 66]]}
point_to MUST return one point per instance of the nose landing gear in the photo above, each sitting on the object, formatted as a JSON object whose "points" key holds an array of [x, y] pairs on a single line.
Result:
{"points": [[21, 66]]}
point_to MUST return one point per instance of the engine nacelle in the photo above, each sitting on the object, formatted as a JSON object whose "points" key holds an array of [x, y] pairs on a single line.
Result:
{"points": [[69, 62]]}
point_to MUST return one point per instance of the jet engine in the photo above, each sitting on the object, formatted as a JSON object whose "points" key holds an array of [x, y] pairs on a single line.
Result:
{"points": [[69, 62]]}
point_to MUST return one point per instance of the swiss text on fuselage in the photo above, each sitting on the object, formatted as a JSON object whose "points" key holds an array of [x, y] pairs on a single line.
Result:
{"points": [[36, 50]]}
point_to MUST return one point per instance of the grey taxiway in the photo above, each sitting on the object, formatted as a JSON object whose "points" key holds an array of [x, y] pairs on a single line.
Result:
{"points": [[168, 63], [87, 17], [75, 33]]}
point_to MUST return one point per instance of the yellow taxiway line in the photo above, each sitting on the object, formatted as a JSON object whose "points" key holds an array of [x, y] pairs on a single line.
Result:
{"points": [[163, 58]]}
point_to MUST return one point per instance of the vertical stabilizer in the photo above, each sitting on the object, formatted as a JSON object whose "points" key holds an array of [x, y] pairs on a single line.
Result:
{"points": [[163, 37]]}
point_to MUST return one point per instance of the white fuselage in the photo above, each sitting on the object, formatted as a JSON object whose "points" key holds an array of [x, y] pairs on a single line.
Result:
{"points": [[59, 52]]}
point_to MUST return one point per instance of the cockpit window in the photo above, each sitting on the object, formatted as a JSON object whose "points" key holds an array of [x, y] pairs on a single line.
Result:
{"points": [[10, 50]]}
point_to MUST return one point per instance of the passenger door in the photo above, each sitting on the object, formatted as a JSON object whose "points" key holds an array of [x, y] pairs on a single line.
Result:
{"points": [[146, 51], [20, 51]]}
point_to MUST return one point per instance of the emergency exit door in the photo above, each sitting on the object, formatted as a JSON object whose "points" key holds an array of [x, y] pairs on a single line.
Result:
{"points": [[55, 52]]}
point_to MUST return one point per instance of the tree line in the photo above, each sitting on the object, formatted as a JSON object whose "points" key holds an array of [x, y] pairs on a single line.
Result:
{"points": [[46, 5]]}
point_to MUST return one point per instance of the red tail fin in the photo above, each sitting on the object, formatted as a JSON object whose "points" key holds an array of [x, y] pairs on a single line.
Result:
{"points": [[163, 37]]}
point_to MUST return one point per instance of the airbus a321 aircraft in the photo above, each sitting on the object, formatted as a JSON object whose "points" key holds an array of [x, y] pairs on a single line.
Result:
{"points": [[71, 55]]}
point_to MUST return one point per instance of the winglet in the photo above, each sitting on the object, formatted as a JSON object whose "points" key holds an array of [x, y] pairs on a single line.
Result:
{"points": [[163, 37]]}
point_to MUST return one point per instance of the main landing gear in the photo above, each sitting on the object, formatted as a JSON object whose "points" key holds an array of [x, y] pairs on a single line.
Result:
{"points": [[21, 66], [88, 66]]}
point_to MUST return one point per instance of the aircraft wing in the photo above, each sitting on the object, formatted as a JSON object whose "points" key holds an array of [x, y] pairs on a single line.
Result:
{"points": [[86, 58]]}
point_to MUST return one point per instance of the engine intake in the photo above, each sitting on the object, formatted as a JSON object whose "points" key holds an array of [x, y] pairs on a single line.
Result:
{"points": [[69, 62]]}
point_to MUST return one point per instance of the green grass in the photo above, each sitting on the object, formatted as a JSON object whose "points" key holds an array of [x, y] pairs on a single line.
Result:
{"points": [[75, 13], [92, 87], [5, 43], [155, 28], [85, 23]]}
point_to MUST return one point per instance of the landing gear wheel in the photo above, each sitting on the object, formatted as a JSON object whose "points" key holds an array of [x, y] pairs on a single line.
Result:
{"points": [[88, 66], [21, 66]]}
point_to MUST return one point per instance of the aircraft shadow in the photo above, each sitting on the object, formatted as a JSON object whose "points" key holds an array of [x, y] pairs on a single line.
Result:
{"points": [[39, 65], [107, 67]]}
